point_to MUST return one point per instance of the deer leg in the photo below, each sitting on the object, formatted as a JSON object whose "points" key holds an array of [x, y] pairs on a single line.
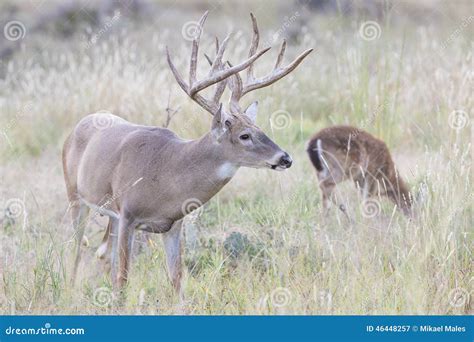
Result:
{"points": [[328, 197], [327, 189], [403, 202], [106, 243], [123, 248], [114, 251], [79, 212], [172, 243]]}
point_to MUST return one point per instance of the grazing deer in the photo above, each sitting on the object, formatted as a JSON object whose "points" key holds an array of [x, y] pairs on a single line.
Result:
{"points": [[144, 177], [344, 152]]}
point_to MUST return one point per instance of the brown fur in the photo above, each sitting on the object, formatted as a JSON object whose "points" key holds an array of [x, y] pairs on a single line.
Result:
{"points": [[350, 153]]}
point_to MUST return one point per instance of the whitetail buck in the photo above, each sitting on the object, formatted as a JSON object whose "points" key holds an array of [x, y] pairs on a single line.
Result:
{"points": [[143, 177], [344, 152]]}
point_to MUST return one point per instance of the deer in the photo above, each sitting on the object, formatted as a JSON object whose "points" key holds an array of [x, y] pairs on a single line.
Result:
{"points": [[339, 153], [145, 177]]}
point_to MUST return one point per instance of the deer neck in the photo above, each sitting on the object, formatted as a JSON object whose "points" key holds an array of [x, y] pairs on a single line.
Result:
{"points": [[210, 162]]}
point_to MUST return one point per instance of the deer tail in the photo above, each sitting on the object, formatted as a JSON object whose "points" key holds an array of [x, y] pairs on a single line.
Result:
{"points": [[315, 153]]}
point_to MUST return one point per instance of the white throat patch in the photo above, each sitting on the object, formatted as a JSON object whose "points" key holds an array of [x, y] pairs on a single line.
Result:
{"points": [[226, 170]]}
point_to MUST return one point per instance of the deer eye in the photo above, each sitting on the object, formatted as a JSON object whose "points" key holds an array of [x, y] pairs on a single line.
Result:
{"points": [[244, 137], [227, 123]]}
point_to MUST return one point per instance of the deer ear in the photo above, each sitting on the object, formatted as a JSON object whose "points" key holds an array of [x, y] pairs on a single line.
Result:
{"points": [[218, 123], [252, 110]]}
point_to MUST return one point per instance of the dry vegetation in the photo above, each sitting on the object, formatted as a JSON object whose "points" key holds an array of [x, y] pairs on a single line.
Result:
{"points": [[260, 246]]}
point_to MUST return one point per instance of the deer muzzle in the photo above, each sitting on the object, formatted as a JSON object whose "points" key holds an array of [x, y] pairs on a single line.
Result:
{"points": [[283, 162]]}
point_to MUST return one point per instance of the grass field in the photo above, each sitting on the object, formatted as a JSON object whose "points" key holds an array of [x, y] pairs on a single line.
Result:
{"points": [[400, 70]]}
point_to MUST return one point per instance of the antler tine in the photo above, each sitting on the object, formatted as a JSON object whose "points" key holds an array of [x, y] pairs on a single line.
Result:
{"points": [[253, 45], [208, 59], [280, 55], [175, 72], [221, 85], [194, 51], [277, 73], [220, 72], [219, 91], [207, 105], [236, 87], [216, 65], [200, 85], [217, 44]]}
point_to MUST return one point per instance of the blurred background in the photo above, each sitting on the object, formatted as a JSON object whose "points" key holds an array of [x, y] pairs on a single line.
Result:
{"points": [[402, 70], [77, 57]]}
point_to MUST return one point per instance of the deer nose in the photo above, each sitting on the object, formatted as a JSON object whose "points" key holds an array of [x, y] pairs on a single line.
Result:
{"points": [[285, 161]]}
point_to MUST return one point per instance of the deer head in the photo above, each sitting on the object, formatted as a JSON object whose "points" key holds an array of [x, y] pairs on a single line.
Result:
{"points": [[234, 129]]}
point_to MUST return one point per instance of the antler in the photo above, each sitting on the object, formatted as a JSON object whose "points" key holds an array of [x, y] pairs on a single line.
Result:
{"points": [[216, 74], [239, 89]]}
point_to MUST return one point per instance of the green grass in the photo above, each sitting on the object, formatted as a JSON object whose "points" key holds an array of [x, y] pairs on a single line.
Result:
{"points": [[398, 87]]}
